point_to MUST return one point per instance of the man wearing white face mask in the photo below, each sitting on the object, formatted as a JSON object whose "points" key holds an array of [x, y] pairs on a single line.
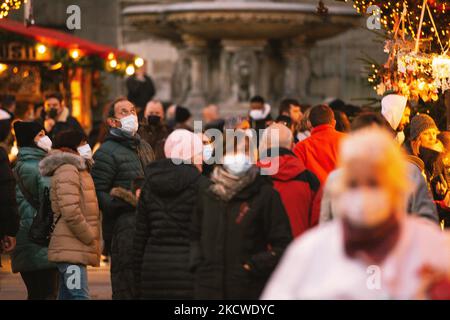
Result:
{"points": [[120, 159], [374, 250], [259, 114]]}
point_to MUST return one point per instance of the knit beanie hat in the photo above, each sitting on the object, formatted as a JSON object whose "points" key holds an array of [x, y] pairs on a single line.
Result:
{"points": [[26, 132], [69, 139], [182, 114], [420, 123], [184, 145]]}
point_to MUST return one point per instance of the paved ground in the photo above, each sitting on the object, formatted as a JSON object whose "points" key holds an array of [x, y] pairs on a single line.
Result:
{"points": [[12, 287]]}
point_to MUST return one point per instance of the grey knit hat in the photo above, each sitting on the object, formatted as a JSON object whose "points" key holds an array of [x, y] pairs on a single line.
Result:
{"points": [[420, 123]]}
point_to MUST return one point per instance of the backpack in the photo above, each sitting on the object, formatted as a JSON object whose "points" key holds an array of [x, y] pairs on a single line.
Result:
{"points": [[43, 225]]}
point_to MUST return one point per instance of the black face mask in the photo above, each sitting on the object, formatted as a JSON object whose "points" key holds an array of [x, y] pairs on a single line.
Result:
{"points": [[53, 113], [154, 120]]}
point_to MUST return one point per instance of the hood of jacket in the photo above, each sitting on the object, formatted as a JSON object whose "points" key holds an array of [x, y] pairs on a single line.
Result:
{"points": [[165, 178], [125, 195], [289, 166], [57, 158], [31, 153]]}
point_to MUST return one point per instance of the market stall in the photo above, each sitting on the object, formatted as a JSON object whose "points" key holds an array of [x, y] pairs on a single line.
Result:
{"points": [[36, 60]]}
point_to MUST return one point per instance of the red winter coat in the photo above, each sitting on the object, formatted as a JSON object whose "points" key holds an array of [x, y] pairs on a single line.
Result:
{"points": [[299, 189], [319, 152]]}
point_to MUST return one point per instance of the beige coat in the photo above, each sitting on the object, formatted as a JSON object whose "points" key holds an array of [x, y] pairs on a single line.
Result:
{"points": [[76, 238]]}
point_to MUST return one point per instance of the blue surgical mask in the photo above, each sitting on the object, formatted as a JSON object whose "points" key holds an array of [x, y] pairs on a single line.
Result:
{"points": [[237, 164]]}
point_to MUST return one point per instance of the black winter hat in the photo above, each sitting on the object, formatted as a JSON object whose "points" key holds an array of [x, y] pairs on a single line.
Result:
{"points": [[69, 139], [182, 114], [25, 132]]}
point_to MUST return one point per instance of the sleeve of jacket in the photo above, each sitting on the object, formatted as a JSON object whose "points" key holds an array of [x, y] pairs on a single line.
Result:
{"points": [[315, 208], [68, 197], [9, 215], [420, 201], [278, 233], [141, 235], [299, 151], [103, 173]]}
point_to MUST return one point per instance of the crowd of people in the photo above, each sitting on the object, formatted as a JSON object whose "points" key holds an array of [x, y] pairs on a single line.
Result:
{"points": [[197, 215]]}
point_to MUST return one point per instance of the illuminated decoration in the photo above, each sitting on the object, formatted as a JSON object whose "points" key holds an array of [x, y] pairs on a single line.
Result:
{"points": [[3, 67], [441, 72], [138, 62], [130, 70], [391, 11], [56, 66], [41, 48], [75, 54], [8, 5], [418, 42], [113, 63]]}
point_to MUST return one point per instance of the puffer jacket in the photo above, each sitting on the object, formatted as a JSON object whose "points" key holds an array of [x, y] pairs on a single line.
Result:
{"points": [[28, 256], [161, 243], [116, 164], [252, 228], [76, 238]]}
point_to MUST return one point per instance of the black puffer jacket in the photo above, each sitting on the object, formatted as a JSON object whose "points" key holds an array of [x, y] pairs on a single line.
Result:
{"points": [[122, 280], [9, 214], [161, 243], [252, 228]]}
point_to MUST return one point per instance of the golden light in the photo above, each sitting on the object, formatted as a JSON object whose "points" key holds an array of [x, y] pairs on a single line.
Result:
{"points": [[41, 48], [3, 67], [130, 70], [56, 66], [138, 62], [110, 56], [113, 63], [75, 54]]}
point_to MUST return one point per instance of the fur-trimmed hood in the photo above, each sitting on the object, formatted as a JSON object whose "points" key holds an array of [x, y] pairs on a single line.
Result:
{"points": [[124, 195], [57, 158]]}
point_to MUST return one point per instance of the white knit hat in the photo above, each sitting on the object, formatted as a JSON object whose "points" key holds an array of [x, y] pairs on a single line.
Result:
{"points": [[184, 145]]}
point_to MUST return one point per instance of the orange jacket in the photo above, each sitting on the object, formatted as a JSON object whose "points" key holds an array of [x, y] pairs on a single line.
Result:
{"points": [[320, 151]]}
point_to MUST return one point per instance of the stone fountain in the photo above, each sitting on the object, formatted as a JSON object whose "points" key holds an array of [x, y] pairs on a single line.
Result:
{"points": [[230, 50]]}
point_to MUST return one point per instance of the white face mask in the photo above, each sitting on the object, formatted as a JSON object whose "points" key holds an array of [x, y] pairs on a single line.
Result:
{"points": [[364, 207], [45, 143], [130, 124], [85, 151], [207, 152], [257, 114], [237, 164]]}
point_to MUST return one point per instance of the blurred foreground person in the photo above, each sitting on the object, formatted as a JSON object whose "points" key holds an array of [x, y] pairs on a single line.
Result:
{"points": [[166, 206], [30, 259], [75, 242], [124, 204], [419, 201], [240, 229], [298, 187], [373, 250]]}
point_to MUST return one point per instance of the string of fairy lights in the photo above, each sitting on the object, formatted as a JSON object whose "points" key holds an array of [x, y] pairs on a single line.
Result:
{"points": [[7, 5]]}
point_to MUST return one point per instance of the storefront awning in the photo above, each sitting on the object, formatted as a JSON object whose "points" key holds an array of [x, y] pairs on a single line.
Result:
{"points": [[60, 39]]}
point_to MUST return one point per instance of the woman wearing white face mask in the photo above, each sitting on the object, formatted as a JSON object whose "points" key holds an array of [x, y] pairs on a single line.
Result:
{"points": [[75, 242], [39, 275], [373, 250], [240, 229]]}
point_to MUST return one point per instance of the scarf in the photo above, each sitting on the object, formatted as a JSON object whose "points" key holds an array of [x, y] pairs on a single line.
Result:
{"points": [[144, 150], [374, 243], [226, 185]]}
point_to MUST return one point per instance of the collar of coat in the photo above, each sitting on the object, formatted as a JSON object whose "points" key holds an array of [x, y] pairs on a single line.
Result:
{"points": [[57, 158]]}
